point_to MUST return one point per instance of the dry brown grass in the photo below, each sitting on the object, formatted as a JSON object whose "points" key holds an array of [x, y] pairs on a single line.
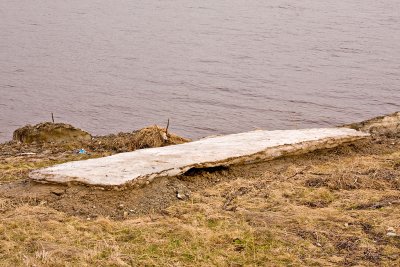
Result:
{"points": [[326, 208], [50, 132], [153, 136]]}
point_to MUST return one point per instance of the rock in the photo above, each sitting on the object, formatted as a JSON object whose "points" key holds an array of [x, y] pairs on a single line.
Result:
{"points": [[182, 194], [50, 132], [164, 136], [391, 229], [27, 154], [58, 192]]}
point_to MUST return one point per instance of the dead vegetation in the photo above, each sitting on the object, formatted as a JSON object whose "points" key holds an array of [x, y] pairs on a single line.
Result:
{"points": [[336, 207], [153, 136], [60, 144], [50, 132], [388, 125]]}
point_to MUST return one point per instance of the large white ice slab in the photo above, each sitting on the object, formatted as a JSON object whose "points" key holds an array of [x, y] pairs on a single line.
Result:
{"points": [[145, 164]]}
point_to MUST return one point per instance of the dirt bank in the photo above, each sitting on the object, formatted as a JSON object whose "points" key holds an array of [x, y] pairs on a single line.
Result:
{"points": [[336, 207], [91, 202]]}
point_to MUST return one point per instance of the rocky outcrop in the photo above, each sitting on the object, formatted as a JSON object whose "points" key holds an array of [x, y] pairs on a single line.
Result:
{"points": [[50, 133]]}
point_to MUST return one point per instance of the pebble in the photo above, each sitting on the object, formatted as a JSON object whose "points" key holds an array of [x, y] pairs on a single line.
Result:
{"points": [[164, 136], [58, 192], [182, 195], [390, 229]]}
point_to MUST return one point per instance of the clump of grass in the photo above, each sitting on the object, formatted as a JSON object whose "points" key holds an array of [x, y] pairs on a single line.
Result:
{"points": [[153, 136], [315, 198], [366, 172]]}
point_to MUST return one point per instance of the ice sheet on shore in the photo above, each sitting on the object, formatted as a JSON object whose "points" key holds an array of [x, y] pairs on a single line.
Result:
{"points": [[141, 166]]}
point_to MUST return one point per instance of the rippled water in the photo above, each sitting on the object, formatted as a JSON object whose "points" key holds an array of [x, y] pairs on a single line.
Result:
{"points": [[213, 67]]}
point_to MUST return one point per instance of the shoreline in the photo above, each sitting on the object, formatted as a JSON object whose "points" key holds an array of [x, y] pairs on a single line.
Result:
{"points": [[338, 206]]}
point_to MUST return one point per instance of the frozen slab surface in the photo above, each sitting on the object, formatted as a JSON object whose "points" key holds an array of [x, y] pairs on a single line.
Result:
{"points": [[141, 166]]}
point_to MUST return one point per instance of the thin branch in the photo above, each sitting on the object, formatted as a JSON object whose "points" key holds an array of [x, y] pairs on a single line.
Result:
{"points": [[166, 129]]}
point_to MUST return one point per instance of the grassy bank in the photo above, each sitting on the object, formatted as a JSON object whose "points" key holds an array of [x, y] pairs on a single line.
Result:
{"points": [[338, 207]]}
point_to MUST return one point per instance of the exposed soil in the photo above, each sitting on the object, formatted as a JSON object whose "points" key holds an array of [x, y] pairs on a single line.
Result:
{"points": [[333, 207], [118, 203], [94, 201]]}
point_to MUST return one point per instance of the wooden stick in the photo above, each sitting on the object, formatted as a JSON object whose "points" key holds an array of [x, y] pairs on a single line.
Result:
{"points": [[52, 117], [166, 129]]}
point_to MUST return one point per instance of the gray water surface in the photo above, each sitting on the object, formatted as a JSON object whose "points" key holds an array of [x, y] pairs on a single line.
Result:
{"points": [[212, 67]]}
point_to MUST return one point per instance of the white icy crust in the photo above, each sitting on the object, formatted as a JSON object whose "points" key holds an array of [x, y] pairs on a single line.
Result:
{"points": [[146, 164]]}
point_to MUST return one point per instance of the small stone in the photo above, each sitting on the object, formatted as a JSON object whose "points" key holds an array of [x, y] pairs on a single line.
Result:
{"points": [[121, 206], [181, 195], [391, 229], [346, 225], [125, 214], [391, 234], [58, 192], [88, 218], [99, 187], [164, 136]]}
